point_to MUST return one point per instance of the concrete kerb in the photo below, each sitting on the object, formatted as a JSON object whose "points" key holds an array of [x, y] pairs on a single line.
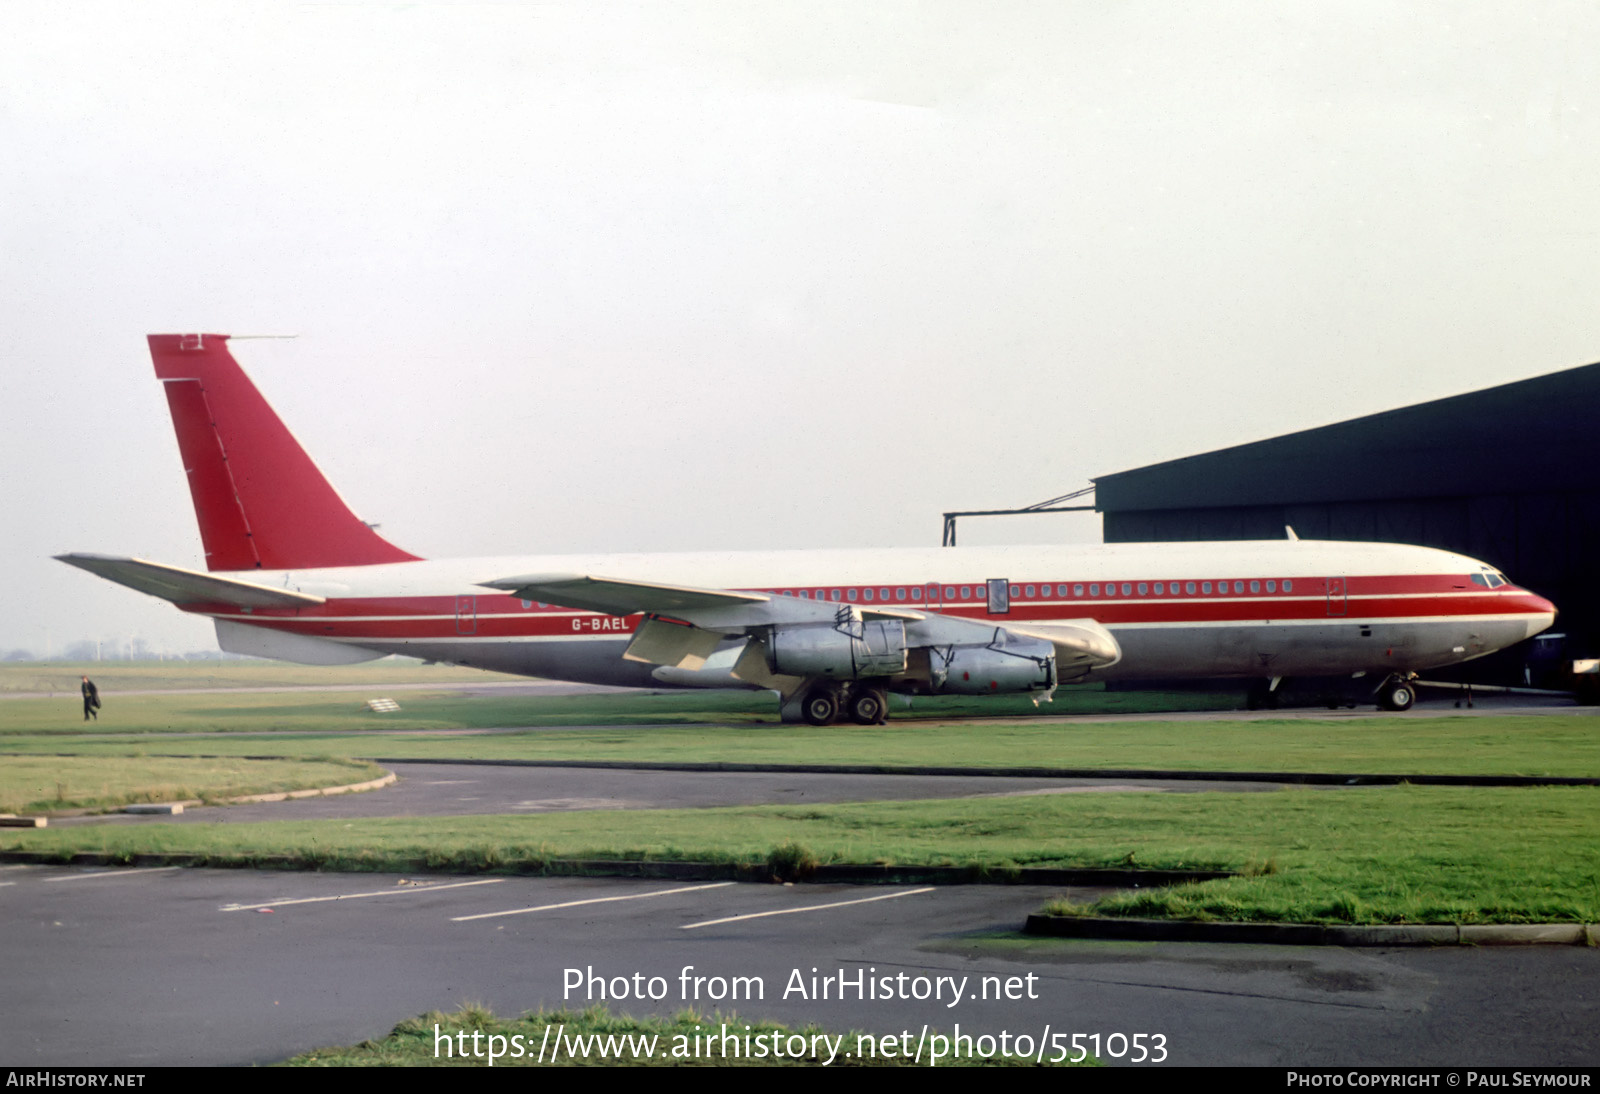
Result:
{"points": [[1312, 934], [379, 783], [1294, 778], [387, 778]]}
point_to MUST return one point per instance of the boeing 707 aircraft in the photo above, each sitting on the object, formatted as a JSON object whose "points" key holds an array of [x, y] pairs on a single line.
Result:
{"points": [[292, 573]]}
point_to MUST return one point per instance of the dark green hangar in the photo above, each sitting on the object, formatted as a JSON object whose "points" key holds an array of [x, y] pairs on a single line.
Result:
{"points": [[1509, 475]]}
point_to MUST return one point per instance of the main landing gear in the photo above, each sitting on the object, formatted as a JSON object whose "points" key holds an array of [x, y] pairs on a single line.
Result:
{"points": [[1397, 693], [864, 704]]}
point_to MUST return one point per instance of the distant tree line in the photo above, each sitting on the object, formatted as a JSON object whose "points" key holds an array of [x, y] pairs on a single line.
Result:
{"points": [[136, 649]]}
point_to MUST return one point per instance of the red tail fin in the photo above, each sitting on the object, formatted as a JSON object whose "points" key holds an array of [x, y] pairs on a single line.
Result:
{"points": [[260, 501]]}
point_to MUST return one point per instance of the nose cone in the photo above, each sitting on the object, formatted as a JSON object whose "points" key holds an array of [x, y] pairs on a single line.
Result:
{"points": [[1541, 614]]}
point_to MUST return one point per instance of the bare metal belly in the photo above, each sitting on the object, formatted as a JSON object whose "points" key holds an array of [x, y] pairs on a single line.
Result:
{"points": [[1330, 649]]}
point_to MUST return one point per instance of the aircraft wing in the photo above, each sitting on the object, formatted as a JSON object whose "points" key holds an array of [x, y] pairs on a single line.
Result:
{"points": [[181, 586], [685, 626], [618, 596], [713, 609]]}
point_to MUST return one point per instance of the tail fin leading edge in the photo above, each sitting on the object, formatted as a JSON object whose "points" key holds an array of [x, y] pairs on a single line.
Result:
{"points": [[260, 501]]}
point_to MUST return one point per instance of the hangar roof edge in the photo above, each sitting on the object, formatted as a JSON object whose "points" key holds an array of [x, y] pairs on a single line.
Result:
{"points": [[1541, 433]]}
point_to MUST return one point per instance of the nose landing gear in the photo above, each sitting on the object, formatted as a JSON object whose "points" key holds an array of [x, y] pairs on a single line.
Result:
{"points": [[1397, 693]]}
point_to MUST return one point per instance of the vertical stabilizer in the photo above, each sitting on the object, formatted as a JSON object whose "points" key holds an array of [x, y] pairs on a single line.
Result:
{"points": [[260, 501]]}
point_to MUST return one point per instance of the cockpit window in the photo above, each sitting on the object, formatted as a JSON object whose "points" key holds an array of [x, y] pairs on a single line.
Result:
{"points": [[1480, 579]]}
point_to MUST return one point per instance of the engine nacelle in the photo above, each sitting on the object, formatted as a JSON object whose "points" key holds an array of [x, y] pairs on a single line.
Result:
{"points": [[843, 651], [1013, 664]]}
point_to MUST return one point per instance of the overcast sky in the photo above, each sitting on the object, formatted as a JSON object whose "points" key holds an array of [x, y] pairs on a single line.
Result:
{"points": [[674, 276]]}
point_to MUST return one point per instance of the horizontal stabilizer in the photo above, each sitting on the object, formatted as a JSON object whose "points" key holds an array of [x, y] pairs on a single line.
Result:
{"points": [[618, 596], [183, 587]]}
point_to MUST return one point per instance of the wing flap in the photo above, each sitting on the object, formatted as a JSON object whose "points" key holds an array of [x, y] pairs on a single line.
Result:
{"points": [[181, 587], [673, 644]]}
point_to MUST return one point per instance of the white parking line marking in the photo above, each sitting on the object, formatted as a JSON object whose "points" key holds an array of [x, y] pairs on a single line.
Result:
{"points": [[593, 900], [358, 896], [114, 873], [807, 908]]}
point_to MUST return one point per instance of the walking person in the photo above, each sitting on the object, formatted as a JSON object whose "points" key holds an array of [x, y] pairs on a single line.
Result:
{"points": [[91, 700]]}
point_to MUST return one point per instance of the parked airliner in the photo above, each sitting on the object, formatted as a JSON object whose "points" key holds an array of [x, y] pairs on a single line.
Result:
{"points": [[293, 574]]}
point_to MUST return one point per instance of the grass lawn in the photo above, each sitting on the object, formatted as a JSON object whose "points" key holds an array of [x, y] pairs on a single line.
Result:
{"points": [[48, 784], [1370, 855], [1401, 854], [671, 728]]}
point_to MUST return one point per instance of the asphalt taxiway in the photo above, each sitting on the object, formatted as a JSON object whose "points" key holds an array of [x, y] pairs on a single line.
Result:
{"points": [[458, 789], [177, 966]]}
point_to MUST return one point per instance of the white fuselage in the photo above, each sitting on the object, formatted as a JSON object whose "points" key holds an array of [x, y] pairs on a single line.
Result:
{"points": [[1233, 609]]}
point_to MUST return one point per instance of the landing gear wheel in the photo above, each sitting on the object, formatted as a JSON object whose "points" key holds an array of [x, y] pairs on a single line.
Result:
{"points": [[1396, 695], [821, 706], [869, 706]]}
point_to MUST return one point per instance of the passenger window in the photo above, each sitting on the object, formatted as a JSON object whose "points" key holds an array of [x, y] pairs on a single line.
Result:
{"points": [[804, 595], [1127, 588], [1188, 587], [966, 592], [1288, 586], [1272, 586], [1029, 590], [1077, 590], [1143, 588], [899, 594], [1238, 586], [1255, 586], [1094, 590], [916, 594], [1160, 591], [836, 594], [1205, 586], [866, 594], [883, 594], [852, 594], [949, 592]]}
